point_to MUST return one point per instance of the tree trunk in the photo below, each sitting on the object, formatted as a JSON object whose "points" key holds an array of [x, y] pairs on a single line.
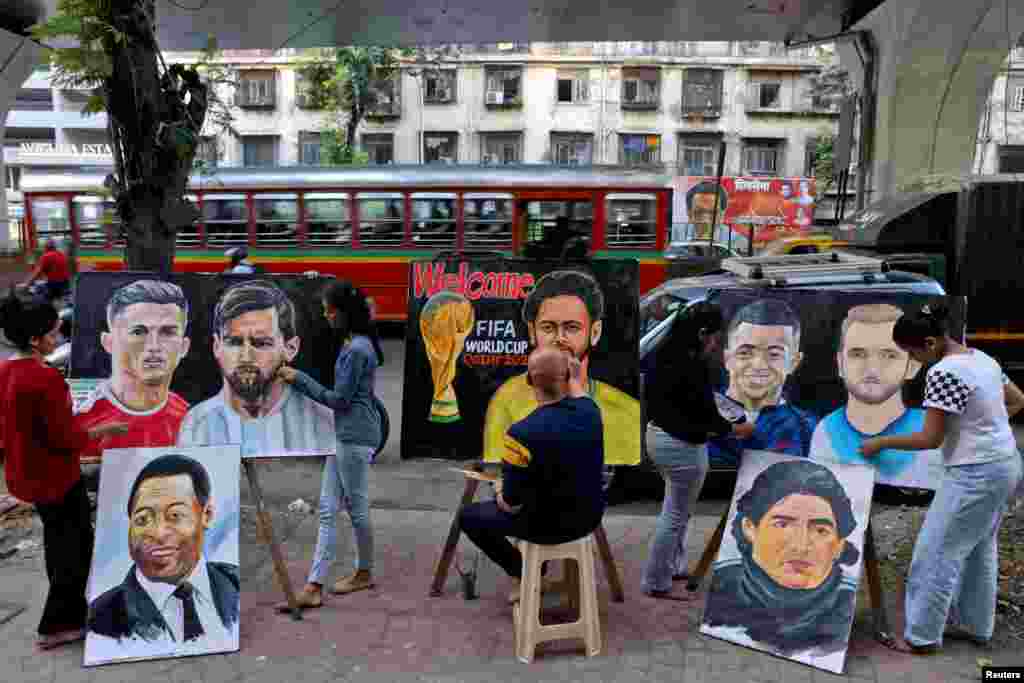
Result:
{"points": [[155, 134]]}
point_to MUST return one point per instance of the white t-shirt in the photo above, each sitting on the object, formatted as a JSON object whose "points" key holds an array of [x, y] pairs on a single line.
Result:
{"points": [[970, 388]]}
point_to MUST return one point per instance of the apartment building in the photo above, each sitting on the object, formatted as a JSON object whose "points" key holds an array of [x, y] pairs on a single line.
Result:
{"points": [[1000, 146], [665, 104]]}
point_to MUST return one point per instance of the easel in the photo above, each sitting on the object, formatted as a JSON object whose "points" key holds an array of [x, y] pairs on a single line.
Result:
{"points": [[265, 530], [879, 613], [474, 475]]}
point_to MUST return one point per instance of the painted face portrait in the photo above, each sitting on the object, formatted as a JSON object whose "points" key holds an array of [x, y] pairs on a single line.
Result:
{"points": [[563, 322], [872, 366], [796, 542], [250, 350], [759, 358], [703, 210], [146, 342], [167, 527]]}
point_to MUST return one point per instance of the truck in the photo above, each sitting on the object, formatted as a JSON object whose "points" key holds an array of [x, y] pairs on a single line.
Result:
{"points": [[973, 235]]}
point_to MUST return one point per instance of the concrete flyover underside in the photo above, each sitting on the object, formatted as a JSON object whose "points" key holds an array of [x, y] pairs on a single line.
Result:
{"points": [[935, 65]]}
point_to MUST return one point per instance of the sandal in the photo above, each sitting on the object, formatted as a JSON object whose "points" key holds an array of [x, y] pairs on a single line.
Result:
{"points": [[52, 640], [669, 595], [956, 633], [900, 645], [305, 599]]}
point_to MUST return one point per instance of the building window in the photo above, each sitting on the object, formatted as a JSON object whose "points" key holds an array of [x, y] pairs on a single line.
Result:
{"points": [[440, 148], [439, 87], [256, 89], [640, 88], [810, 157], [504, 87], [1011, 159], [259, 150], [637, 150], [33, 99], [702, 92], [572, 149], [208, 151], [389, 103], [765, 95], [380, 147], [13, 181], [309, 148], [762, 157], [698, 155], [573, 86], [1017, 98], [501, 148]]}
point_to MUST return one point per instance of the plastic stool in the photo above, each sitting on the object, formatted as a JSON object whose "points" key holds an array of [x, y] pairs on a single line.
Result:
{"points": [[526, 613]]}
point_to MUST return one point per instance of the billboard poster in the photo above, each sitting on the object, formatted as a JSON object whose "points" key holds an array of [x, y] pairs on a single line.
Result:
{"points": [[472, 325], [191, 359], [817, 372], [770, 207]]}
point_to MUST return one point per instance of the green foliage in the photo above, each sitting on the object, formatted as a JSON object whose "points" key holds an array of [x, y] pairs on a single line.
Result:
{"points": [[334, 151], [824, 154], [90, 25]]}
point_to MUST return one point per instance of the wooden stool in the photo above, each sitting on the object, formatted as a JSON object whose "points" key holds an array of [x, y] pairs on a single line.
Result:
{"points": [[526, 612]]}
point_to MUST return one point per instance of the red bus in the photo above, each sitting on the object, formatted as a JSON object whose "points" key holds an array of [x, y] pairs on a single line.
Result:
{"points": [[366, 223]]}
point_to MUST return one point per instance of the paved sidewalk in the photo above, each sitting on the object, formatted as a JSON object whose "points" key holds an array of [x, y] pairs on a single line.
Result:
{"points": [[398, 633]]}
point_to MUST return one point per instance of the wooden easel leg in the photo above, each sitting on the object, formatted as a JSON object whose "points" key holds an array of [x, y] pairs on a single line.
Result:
{"points": [[710, 550], [878, 608], [448, 553], [612, 572], [267, 532]]}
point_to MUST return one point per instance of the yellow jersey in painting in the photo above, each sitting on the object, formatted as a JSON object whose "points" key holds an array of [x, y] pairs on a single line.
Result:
{"points": [[620, 416]]}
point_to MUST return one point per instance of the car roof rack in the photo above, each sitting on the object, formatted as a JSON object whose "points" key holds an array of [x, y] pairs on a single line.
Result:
{"points": [[804, 268]]}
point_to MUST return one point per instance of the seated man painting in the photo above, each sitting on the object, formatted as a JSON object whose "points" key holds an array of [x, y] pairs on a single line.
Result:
{"points": [[552, 466]]}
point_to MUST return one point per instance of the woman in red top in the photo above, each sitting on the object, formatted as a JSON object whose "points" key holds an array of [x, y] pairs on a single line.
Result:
{"points": [[42, 444]]}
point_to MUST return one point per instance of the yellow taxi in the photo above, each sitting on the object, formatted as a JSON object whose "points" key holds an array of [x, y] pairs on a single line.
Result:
{"points": [[802, 244]]}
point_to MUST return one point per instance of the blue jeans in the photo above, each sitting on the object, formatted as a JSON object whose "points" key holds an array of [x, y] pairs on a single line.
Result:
{"points": [[683, 466], [345, 482], [956, 564]]}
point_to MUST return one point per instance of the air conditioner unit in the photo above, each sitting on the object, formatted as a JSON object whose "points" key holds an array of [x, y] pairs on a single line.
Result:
{"points": [[495, 97]]}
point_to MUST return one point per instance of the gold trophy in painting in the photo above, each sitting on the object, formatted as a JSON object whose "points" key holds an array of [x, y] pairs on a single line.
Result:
{"points": [[445, 322]]}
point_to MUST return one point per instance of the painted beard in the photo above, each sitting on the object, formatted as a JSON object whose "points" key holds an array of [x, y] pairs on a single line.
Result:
{"points": [[251, 385], [873, 392]]}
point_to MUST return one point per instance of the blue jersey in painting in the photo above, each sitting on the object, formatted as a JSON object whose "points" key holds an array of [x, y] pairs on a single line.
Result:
{"points": [[845, 441], [783, 428]]}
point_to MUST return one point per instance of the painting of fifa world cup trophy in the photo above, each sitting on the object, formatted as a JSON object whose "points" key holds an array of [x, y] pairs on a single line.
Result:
{"points": [[445, 322]]}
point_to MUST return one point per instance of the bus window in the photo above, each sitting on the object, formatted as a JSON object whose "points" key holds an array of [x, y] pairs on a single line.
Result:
{"points": [[488, 221], [96, 218], [545, 222], [381, 220], [188, 235], [329, 219], [226, 219], [50, 218], [433, 219], [277, 219], [632, 220]]}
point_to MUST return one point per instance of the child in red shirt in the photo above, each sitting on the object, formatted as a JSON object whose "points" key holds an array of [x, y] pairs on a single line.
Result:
{"points": [[42, 445]]}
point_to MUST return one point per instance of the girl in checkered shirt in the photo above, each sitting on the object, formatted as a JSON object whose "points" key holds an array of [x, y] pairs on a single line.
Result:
{"points": [[969, 402]]}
